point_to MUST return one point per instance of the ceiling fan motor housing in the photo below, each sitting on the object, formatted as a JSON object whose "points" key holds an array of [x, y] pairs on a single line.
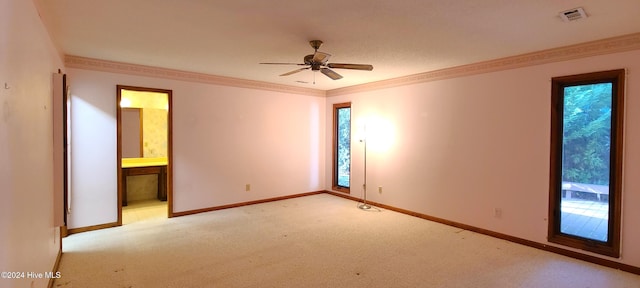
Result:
{"points": [[308, 59], [315, 66]]}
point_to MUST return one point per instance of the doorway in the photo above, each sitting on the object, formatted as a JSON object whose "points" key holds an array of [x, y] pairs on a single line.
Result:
{"points": [[144, 153]]}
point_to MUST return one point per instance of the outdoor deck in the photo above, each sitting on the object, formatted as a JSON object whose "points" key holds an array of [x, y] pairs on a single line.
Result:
{"points": [[585, 218]]}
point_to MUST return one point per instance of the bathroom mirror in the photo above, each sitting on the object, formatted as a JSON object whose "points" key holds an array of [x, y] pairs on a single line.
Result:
{"points": [[144, 124]]}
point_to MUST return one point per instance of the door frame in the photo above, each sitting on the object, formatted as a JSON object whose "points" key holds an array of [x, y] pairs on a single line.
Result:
{"points": [[611, 247], [61, 139], [169, 175]]}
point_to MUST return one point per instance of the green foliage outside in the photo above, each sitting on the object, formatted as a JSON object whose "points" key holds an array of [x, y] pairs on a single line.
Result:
{"points": [[344, 146], [587, 133]]}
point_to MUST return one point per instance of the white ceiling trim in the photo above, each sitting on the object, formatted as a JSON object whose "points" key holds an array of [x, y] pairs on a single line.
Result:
{"points": [[600, 47], [594, 48], [149, 71]]}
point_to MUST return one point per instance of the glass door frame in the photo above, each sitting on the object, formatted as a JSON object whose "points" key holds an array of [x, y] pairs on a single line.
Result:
{"points": [[611, 247]]}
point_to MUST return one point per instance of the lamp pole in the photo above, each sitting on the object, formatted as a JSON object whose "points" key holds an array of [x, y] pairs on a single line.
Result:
{"points": [[364, 205]]}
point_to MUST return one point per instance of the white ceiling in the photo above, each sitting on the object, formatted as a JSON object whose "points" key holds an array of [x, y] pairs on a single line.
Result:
{"points": [[399, 38]]}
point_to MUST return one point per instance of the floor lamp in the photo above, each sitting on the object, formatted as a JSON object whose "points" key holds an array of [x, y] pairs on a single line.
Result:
{"points": [[364, 205]]}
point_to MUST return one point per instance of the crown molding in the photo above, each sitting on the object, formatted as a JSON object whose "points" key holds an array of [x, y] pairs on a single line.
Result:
{"points": [[149, 71], [600, 47]]}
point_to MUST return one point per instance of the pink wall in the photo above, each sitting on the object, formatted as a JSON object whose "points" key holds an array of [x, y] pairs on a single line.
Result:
{"points": [[462, 147], [223, 137], [227, 137], [28, 238]]}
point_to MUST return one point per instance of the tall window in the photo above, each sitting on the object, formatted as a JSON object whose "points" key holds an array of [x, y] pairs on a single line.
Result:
{"points": [[586, 161], [342, 147]]}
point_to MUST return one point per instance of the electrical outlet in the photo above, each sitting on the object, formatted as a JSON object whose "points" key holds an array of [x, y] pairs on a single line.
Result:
{"points": [[247, 187], [380, 189], [497, 212]]}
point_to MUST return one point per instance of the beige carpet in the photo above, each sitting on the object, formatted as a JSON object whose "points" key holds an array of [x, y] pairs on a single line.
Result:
{"points": [[314, 241]]}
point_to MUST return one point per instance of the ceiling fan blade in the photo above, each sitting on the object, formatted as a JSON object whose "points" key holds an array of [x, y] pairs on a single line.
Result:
{"points": [[294, 71], [321, 57], [350, 66], [272, 63], [330, 73]]}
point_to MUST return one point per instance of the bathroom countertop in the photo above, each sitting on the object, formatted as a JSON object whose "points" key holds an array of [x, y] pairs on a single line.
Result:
{"points": [[143, 162]]}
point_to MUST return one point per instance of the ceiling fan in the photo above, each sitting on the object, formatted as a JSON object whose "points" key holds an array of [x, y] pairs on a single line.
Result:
{"points": [[318, 62]]}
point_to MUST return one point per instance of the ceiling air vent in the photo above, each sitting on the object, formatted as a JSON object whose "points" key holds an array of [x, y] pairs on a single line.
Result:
{"points": [[573, 14]]}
